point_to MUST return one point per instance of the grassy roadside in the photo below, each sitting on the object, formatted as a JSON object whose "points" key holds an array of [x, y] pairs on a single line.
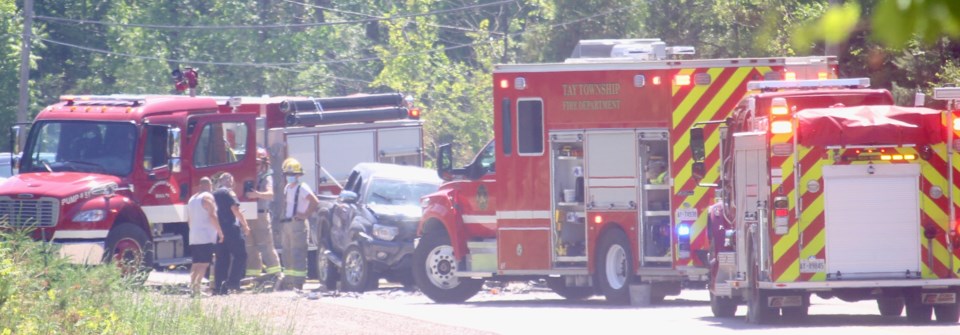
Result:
{"points": [[41, 293]]}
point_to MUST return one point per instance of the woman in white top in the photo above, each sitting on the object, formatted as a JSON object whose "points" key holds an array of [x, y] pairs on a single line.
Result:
{"points": [[204, 231]]}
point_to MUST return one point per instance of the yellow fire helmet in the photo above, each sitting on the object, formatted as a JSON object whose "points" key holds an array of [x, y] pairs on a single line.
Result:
{"points": [[292, 166]]}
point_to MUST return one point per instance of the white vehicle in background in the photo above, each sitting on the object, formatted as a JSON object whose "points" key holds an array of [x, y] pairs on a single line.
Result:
{"points": [[6, 166]]}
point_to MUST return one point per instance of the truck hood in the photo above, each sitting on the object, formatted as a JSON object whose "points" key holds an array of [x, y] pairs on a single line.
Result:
{"points": [[405, 211], [58, 185]]}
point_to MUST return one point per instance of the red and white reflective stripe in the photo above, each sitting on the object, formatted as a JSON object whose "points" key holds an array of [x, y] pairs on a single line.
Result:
{"points": [[80, 234], [178, 213], [479, 219], [523, 215]]}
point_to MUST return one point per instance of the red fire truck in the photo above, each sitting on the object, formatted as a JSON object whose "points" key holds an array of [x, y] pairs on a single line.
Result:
{"points": [[829, 189], [563, 191], [107, 177]]}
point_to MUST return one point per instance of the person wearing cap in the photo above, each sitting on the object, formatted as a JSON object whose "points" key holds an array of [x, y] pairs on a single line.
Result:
{"points": [[299, 204], [657, 172], [231, 253], [261, 253]]}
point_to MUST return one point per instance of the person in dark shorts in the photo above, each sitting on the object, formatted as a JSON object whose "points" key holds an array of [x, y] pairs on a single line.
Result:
{"points": [[231, 252], [204, 232]]}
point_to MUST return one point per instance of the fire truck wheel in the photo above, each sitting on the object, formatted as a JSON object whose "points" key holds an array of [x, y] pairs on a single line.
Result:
{"points": [[434, 269], [559, 286], [890, 306], [947, 313], [723, 307], [127, 248], [917, 312], [615, 267], [356, 271]]}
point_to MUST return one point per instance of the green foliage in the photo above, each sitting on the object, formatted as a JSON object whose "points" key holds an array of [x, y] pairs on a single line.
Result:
{"points": [[40, 293], [440, 52]]}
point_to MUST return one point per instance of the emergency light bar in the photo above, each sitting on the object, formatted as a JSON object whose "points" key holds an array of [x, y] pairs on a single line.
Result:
{"points": [[946, 93], [812, 83]]}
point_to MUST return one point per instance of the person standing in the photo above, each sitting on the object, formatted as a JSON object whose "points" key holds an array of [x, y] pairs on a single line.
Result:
{"points": [[204, 233], [299, 204], [231, 253], [261, 253]]}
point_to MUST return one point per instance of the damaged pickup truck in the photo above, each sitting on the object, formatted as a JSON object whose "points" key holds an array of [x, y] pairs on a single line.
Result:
{"points": [[367, 232]]}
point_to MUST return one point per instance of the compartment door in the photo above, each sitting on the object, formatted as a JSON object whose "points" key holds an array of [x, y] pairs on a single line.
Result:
{"points": [[611, 170], [872, 215]]}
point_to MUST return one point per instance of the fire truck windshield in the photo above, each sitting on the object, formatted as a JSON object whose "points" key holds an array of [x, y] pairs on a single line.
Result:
{"points": [[97, 147]]}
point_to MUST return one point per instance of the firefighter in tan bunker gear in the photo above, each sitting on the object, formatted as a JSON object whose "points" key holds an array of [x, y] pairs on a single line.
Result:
{"points": [[261, 253], [299, 204]]}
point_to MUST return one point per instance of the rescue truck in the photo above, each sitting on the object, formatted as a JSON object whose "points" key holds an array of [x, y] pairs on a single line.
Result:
{"points": [[108, 177], [562, 193], [827, 188]]}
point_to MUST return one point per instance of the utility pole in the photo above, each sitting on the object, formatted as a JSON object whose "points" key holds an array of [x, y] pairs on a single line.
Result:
{"points": [[25, 61]]}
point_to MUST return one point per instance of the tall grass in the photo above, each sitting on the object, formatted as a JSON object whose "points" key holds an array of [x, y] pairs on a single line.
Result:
{"points": [[41, 293]]}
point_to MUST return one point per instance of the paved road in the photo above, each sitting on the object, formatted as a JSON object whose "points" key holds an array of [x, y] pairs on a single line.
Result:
{"points": [[523, 309]]}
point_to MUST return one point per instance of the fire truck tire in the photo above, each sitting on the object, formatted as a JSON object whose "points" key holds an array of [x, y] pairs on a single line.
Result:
{"points": [[559, 286], [127, 248], [917, 312], [614, 267], [357, 275], [890, 306], [758, 312], [434, 267], [947, 313], [723, 307]]}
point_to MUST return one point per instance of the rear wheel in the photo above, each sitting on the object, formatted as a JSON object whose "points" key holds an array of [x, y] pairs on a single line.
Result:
{"points": [[917, 312], [890, 306], [435, 268], [615, 267], [356, 271], [127, 248], [723, 307], [559, 286], [948, 313], [758, 308]]}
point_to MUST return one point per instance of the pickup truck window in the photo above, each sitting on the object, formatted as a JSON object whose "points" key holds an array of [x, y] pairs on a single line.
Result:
{"points": [[397, 192]]}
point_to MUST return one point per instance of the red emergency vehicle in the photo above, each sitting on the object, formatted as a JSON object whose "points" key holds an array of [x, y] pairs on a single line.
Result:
{"points": [[563, 192], [109, 176], [829, 189]]}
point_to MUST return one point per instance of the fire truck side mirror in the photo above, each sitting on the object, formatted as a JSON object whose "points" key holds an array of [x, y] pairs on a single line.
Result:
{"points": [[445, 161], [173, 148], [696, 144]]}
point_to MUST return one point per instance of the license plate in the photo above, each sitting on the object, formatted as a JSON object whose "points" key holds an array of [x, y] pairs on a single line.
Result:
{"points": [[686, 214], [813, 265]]}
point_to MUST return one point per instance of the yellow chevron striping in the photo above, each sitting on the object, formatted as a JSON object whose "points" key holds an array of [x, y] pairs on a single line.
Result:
{"points": [[793, 271]]}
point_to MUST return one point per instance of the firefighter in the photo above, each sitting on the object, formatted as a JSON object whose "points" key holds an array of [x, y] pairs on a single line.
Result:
{"points": [[262, 255], [657, 172], [299, 204]]}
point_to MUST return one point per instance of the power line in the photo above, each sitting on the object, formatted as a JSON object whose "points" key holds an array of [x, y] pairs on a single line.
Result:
{"points": [[370, 16], [265, 26], [284, 65]]}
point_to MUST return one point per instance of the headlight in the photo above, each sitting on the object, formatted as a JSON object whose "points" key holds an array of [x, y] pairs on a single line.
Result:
{"points": [[424, 202], [386, 233], [92, 215]]}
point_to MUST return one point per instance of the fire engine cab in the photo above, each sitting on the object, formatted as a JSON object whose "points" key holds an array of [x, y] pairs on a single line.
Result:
{"points": [[108, 177], [827, 188], [586, 182]]}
